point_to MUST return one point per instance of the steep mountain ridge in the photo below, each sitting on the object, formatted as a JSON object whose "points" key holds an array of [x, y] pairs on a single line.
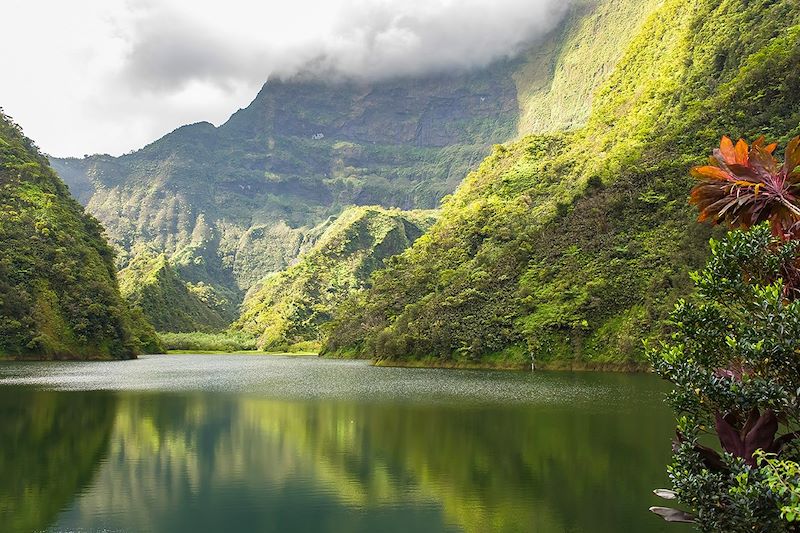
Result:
{"points": [[289, 308], [241, 196], [58, 289], [151, 285], [231, 204], [570, 248]]}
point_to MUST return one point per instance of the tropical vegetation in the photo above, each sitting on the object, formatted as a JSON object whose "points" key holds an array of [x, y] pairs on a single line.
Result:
{"points": [[569, 248], [59, 296], [152, 286], [200, 342], [733, 358], [230, 205], [290, 309]]}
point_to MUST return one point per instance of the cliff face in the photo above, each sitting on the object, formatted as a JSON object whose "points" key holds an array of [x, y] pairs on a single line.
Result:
{"points": [[58, 289], [240, 197], [573, 247], [231, 204]]}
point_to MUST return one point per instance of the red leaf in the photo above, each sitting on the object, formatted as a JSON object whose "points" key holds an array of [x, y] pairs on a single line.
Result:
{"points": [[762, 436], [729, 437], [709, 172], [742, 153], [792, 156]]}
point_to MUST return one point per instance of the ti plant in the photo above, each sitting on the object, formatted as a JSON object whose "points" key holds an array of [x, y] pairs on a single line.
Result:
{"points": [[734, 361], [745, 185]]}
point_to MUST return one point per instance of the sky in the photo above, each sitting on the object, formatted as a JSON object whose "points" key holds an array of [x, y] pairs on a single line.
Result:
{"points": [[109, 76]]}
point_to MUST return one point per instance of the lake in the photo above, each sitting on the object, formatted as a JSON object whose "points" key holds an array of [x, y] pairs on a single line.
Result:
{"points": [[188, 443]]}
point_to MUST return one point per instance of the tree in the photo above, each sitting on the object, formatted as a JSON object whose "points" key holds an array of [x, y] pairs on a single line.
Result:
{"points": [[735, 352]]}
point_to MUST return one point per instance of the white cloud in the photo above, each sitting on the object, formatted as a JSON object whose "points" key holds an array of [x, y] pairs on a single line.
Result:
{"points": [[92, 76]]}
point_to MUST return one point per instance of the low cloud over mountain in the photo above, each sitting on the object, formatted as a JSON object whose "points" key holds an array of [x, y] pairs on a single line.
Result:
{"points": [[130, 70]]}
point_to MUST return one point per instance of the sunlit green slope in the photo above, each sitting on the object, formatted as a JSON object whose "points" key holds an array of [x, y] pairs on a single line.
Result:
{"points": [[150, 284], [58, 289], [229, 205], [288, 308], [572, 247]]}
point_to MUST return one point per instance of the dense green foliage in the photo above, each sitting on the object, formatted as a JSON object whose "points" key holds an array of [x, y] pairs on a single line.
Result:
{"points": [[151, 285], [289, 308], [198, 341], [734, 363], [558, 77], [232, 204], [574, 246], [58, 289]]}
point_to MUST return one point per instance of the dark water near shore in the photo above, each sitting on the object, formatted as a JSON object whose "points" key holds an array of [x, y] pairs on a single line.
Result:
{"points": [[258, 443]]}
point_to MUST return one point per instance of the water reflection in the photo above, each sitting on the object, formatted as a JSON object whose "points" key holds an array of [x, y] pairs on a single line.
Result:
{"points": [[52, 443], [211, 461]]}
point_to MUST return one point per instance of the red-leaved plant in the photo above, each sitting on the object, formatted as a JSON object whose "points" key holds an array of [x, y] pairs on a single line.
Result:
{"points": [[745, 185]]}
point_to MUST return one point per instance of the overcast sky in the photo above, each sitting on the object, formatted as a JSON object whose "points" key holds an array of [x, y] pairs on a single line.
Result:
{"points": [[108, 76]]}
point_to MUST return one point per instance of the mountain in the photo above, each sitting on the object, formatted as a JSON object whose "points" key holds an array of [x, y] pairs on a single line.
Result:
{"points": [[287, 309], [58, 289], [571, 247], [229, 205], [150, 284]]}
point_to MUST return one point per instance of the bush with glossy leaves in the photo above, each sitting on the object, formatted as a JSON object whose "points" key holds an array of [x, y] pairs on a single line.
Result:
{"points": [[733, 359]]}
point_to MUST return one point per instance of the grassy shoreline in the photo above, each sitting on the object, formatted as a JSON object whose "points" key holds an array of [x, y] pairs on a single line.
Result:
{"points": [[238, 352], [561, 365], [34, 358], [574, 366]]}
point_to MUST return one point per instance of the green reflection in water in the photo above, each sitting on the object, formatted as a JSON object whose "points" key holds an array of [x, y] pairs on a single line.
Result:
{"points": [[51, 445], [200, 461]]}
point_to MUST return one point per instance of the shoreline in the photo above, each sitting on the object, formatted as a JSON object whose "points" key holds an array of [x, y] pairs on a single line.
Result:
{"points": [[238, 352], [571, 366]]}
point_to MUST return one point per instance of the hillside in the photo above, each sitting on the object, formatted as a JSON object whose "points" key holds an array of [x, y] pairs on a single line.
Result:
{"points": [[150, 284], [572, 247], [231, 204], [58, 289], [288, 308]]}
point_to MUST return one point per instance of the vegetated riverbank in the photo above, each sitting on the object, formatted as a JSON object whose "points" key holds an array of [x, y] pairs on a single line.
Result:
{"points": [[67, 357], [504, 360], [498, 363], [240, 352], [228, 342], [578, 366]]}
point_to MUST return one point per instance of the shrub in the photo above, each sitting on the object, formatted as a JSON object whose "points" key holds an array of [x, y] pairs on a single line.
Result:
{"points": [[734, 362], [198, 341]]}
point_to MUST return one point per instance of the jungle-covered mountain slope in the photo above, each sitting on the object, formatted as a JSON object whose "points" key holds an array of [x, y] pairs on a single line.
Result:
{"points": [[231, 204], [572, 247], [286, 310], [151, 285], [58, 288]]}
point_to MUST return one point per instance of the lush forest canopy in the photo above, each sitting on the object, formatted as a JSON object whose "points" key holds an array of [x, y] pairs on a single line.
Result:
{"points": [[58, 289], [232, 204], [289, 309], [574, 246], [152, 286]]}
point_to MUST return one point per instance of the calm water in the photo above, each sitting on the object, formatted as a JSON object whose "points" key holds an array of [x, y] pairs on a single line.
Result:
{"points": [[250, 443]]}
